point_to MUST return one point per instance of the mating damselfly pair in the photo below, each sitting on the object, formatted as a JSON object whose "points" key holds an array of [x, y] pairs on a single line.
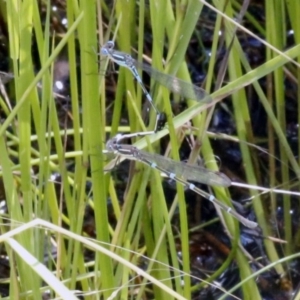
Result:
{"points": [[177, 171]]}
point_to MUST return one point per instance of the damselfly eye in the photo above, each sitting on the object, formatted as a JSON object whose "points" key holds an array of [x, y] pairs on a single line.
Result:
{"points": [[110, 45], [104, 52]]}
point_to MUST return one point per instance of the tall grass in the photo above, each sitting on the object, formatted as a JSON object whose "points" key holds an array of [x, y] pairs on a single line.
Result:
{"points": [[33, 147]]}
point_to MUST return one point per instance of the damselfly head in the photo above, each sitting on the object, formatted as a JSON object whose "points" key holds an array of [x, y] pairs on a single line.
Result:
{"points": [[106, 48]]}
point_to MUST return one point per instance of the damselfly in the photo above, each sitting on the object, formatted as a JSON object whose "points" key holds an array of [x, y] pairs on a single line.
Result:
{"points": [[178, 171], [174, 84]]}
